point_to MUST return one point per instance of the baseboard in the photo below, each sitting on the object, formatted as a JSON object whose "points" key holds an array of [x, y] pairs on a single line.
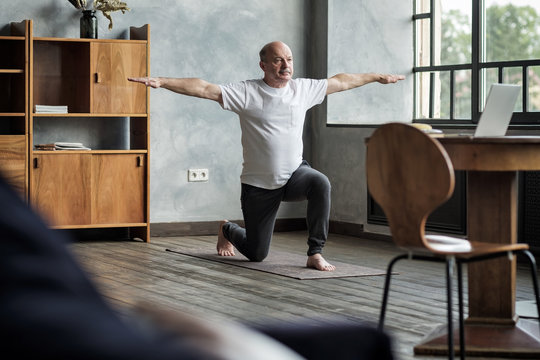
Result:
{"points": [[356, 230], [346, 228], [200, 228], [376, 236]]}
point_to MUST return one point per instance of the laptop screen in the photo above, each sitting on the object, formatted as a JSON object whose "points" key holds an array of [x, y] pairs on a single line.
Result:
{"points": [[498, 111]]}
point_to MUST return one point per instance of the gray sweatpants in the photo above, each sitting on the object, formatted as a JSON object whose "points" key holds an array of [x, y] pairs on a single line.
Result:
{"points": [[260, 207]]}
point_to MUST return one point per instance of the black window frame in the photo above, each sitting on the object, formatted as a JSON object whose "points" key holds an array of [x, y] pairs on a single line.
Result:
{"points": [[476, 66]]}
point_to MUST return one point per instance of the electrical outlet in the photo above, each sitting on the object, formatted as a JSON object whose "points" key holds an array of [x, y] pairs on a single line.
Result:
{"points": [[197, 175]]}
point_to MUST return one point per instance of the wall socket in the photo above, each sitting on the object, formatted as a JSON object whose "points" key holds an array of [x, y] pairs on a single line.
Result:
{"points": [[197, 175]]}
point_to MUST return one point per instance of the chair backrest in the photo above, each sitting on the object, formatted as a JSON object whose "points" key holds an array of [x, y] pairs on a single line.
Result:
{"points": [[409, 174]]}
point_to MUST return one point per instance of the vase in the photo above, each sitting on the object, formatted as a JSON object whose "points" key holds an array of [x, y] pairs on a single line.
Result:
{"points": [[89, 29]]}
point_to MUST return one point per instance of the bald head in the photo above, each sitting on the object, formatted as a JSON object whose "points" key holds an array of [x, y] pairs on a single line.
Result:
{"points": [[271, 47]]}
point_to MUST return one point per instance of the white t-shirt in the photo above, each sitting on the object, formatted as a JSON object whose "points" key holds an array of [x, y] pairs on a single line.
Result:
{"points": [[272, 122]]}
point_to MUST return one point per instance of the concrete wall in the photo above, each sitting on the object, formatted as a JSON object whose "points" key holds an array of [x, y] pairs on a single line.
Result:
{"points": [[363, 36], [370, 36], [219, 41]]}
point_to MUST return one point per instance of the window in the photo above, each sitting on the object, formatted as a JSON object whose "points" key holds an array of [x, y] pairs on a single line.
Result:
{"points": [[464, 46]]}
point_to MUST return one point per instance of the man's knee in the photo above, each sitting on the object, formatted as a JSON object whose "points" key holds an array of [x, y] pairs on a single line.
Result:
{"points": [[321, 184], [326, 183], [257, 256]]}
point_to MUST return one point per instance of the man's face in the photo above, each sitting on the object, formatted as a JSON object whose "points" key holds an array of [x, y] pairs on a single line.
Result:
{"points": [[278, 65]]}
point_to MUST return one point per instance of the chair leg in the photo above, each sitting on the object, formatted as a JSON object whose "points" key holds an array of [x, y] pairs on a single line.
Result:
{"points": [[461, 320], [387, 288], [449, 265], [532, 263]]}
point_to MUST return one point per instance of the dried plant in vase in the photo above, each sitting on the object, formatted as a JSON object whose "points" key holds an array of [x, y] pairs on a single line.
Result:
{"points": [[79, 4], [108, 6], [105, 6]]}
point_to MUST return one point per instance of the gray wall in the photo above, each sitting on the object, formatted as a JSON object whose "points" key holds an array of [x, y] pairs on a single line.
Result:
{"points": [[370, 36], [363, 36], [219, 41]]}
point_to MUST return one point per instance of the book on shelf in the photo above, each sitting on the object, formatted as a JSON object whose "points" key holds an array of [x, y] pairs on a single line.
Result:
{"points": [[51, 109], [45, 147], [61, 146]]}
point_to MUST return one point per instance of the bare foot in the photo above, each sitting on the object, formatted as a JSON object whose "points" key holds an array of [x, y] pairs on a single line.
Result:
{"points": [[224, 247], [317, 262]]}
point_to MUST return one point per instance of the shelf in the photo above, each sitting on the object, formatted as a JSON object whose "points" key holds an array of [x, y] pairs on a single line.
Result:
{"points": [[90, 115], [11, 71], [109, 185], [18, 38], [10, 114], [99, 226], [97, 152], [13, 137], [13, 49], [80, 40]]}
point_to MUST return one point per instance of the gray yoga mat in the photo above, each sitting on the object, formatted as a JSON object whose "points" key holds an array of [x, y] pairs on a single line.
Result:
{"points": [[282, 263]]}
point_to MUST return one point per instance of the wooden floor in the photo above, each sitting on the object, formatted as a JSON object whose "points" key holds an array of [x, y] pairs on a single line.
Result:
{"points": [[128, 272]]}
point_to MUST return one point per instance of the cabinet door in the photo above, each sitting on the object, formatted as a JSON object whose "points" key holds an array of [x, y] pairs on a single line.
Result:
{"points": [[112, 64], [118, 189], [60, 188], [13, 161]]}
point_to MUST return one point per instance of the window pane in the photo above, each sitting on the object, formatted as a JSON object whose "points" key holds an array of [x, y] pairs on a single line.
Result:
{"points": [[439, 83], [534, 88], [454, 33], [488, 77], [441, 108], [422, 6], [422, 42], [514, 76], [422, 95], [463, 93], [512, 30]]}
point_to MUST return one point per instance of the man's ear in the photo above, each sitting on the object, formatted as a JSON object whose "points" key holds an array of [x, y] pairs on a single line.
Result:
{"points": [[262, 65]]}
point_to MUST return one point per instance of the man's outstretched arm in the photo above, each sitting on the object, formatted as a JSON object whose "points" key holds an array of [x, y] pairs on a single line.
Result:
{"points": [[185, 86], [342, 82]]}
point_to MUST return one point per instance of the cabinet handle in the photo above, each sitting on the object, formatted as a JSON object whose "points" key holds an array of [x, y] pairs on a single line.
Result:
{"points": [[139, 161], [36, 163], [98, 77]]}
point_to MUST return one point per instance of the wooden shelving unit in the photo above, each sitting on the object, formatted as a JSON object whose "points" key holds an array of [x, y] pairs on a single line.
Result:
{"points": [[106, 187], [14, 106]]}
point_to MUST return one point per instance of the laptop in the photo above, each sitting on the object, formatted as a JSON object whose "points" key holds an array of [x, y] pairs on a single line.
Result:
{"points": [[498, 111]]}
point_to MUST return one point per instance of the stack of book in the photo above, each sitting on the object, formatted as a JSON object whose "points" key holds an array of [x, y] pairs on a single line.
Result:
{"points": [[61, 146], [51, 109]]}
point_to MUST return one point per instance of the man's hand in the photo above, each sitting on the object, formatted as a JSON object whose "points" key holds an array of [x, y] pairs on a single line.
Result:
{"points": [[147, 81], [389, 78]]}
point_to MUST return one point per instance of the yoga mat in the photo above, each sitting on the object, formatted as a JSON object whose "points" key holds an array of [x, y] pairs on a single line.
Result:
{"points": [[282, 263], [526, 309]]}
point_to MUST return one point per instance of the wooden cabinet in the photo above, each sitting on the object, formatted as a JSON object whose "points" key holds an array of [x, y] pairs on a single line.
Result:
{"points": [[118, 188], [14, 106], [107, 186], [13, 161], [111, 64], [60, 188], [90, 189]]}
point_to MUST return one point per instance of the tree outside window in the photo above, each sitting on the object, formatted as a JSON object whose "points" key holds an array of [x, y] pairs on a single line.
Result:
{"points": [[508, 50]]}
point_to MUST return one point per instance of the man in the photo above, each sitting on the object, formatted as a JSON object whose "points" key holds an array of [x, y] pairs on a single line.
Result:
{"points": [[272, 112]]}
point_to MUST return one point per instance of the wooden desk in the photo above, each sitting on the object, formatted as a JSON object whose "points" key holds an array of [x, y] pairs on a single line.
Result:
{"points": [[492, 327]]}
